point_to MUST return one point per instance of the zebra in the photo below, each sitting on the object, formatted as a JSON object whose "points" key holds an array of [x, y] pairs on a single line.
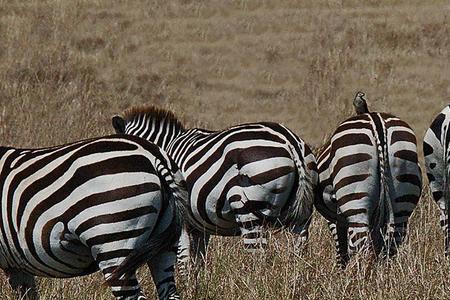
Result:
{"points": [[103, 204], [436, 152], [239, 179], [369, 182]]}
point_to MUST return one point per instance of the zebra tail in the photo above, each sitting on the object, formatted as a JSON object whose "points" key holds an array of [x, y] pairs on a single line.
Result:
{"points": [[177, 184], [384, 215], [301, 208], [185, 213]]}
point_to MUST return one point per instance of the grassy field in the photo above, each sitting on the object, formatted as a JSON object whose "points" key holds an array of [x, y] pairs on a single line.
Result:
{"points": [[67, 66]]}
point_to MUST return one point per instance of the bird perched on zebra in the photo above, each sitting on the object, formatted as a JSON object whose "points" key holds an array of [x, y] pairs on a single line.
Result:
{"points": [[360, 104], [103, 204], [239, 179], [369, 182], [437, 163]]}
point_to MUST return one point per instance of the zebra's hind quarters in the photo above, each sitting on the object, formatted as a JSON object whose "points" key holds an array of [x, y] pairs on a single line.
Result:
{"points": [[110, 204], [155, 245], [360, 103], [375, 190], [255, 172]]}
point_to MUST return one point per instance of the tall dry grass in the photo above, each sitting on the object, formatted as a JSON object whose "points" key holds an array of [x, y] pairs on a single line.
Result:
{"points": [[67, 66]]}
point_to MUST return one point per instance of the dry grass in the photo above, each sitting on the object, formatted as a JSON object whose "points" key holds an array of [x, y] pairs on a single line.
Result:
{"points": [[67, 66]]}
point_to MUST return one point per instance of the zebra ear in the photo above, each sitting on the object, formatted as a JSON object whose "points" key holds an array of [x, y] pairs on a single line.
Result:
{"points": [[119, 124]]}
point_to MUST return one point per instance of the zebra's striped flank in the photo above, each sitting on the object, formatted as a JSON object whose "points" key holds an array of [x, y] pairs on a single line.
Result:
{"points": [[103, 204]]}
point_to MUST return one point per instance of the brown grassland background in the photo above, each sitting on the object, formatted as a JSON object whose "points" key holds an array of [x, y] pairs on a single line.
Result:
{"points": [[67, 66]]}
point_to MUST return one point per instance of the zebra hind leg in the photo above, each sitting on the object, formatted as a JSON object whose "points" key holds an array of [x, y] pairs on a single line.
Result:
{"points": [[360, 245], [250, 222], [252, 232], [302, 237], [192, 248], [341, 244], [443, 220], [162, 267], [23, 284], [395, 238], [126, 287], [184, 252], [199, 246]]}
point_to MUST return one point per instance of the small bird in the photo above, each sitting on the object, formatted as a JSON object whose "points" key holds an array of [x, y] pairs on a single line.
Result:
{"points": [[360, 104]]}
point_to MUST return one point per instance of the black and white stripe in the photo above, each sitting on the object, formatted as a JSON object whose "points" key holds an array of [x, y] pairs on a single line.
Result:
{"points": [[437, 162], [103, 204], [239, 179], [369, 183]]}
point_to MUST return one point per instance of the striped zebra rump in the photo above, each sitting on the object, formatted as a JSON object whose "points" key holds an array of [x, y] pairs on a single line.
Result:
{"points": [[436, 152], [239, 179], [370, 182], [405, 186], [354, 152], [103, 204]]}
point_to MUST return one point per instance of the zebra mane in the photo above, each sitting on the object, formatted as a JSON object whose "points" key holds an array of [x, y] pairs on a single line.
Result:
{"points": [[153, 112]]}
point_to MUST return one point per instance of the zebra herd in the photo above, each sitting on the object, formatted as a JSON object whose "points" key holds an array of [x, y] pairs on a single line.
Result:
{"points": [[155, 188]]}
